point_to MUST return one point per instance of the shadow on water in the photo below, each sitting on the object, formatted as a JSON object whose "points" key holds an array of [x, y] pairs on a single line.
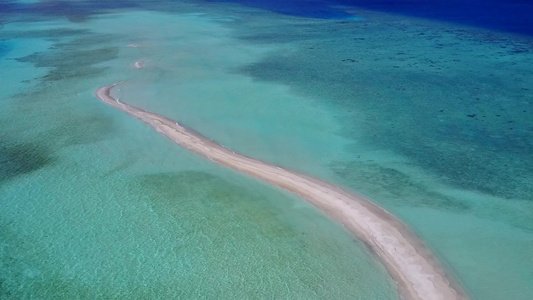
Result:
{"points": [[62, 68], [17, 159], [74, 11], [396, 185], [171, 193], [39, 122], [4, 49]]}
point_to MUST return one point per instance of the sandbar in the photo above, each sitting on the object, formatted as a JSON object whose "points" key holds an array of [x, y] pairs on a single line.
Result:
{"points": [[139, 64], [418, 274]]}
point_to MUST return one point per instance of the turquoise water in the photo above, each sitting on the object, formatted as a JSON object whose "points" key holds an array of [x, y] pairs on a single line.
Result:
{"points": [[97, 205], [440, 117], [430, 119]]}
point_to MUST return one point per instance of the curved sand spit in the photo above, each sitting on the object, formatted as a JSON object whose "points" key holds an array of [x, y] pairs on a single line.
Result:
{"points": [[417, 272]]}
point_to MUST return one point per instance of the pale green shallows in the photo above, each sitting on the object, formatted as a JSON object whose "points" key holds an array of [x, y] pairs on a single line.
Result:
{"points": [[97, 205]]}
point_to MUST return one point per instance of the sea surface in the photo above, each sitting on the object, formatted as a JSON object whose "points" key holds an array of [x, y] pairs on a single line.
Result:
{"points": [[424, 107]]}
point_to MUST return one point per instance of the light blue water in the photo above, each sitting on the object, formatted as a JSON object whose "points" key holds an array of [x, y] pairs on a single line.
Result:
{"points": [[97, 205], [440, 121], [431, 120]]}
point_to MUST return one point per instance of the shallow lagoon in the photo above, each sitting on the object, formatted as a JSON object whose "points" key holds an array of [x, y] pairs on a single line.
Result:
{"points": [[99, 205]]}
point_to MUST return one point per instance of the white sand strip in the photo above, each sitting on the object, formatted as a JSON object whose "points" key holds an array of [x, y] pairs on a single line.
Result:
{"points": [[418, 274]]}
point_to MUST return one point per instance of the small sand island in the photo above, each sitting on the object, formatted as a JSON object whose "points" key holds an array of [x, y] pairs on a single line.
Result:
{"points": [[139, 64], [417, 272]]}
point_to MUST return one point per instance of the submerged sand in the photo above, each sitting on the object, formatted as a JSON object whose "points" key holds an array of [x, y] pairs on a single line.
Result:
{"points": [[418, 274]]}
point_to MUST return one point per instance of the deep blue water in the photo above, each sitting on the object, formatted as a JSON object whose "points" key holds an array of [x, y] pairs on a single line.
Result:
{"points": [[506, 15]]}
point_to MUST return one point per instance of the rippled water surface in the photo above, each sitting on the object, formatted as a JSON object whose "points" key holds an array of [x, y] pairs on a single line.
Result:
{"points": [[427, 116]]}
